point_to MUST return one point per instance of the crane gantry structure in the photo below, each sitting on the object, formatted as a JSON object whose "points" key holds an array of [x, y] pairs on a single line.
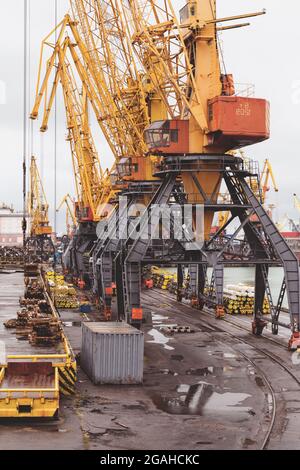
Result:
{"points": [[194, 144], [172, 119]]}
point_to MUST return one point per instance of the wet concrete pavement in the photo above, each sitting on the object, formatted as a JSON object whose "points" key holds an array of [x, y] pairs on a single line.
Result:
{"points": [[198, 393]]}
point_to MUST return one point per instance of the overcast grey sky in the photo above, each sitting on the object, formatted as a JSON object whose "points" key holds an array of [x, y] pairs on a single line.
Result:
{"points": [[265, 54]]}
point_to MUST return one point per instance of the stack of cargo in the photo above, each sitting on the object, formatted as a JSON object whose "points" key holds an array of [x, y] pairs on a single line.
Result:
{"points": [[42, 304], [239, 300], [55, 279], [34, 290], [64, 295], [23, 318], [35, 321], [45, 331], [167, 280], [11, 257]]}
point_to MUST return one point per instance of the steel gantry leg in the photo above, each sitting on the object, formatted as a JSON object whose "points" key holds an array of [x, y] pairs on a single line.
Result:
{"points": [[218, 270], [193, 274], [138, 249], [202, 275], [289, 261], [260, 290], [180, 278]]}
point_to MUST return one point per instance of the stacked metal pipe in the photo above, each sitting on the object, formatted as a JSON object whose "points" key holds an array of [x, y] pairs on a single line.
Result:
{"points": [[64, 295]]}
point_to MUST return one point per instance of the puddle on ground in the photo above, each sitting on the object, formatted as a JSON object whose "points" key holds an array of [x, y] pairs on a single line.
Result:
{"points": [[168, 372], [158, 318], [205, 371], [225, 355], [159, 338], [177, 357], [270, 404], [229, 355], [68, 324], [259, 381], [159, 321], [201, 399]]}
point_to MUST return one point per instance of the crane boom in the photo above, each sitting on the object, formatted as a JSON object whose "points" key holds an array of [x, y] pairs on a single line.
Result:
{"points": [[267, 173], [69, 202], [110, 58], [91, 183]]}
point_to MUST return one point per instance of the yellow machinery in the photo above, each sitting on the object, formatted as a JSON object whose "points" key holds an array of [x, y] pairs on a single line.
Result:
{"points": [[71, 221], [38, 207], [122, 99], [190, 77], [266, 175], [297, 202], [92, 185], [39, 243], [156, 86]]}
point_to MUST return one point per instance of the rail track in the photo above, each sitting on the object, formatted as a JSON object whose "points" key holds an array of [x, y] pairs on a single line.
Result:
{"points": [[269, 357]]}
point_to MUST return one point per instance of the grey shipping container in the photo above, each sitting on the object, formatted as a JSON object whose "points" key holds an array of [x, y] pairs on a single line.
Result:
{"points": [[112, 353]]}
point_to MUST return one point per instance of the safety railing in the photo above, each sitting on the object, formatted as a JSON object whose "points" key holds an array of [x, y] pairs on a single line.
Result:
{"points": [[245, 90], [206, 164]]}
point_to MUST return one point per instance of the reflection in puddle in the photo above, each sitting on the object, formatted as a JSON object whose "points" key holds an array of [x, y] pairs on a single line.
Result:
{"points": [[225, 355], [158, 318], [161, 321], [177, 357], [201, 399], [270, 404], [229, 355], [205, 371], [159, 338], [183, 388]]}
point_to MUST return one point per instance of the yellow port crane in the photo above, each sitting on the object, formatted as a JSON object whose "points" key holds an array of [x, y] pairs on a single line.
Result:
{"points": [[297, 202], [201, 119], [180, 69], [93, 185], [39, 242], [114, 88], [38, 207], [71, 221], [92, 188], [106, 49], [266, 175], [186, 54]]}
